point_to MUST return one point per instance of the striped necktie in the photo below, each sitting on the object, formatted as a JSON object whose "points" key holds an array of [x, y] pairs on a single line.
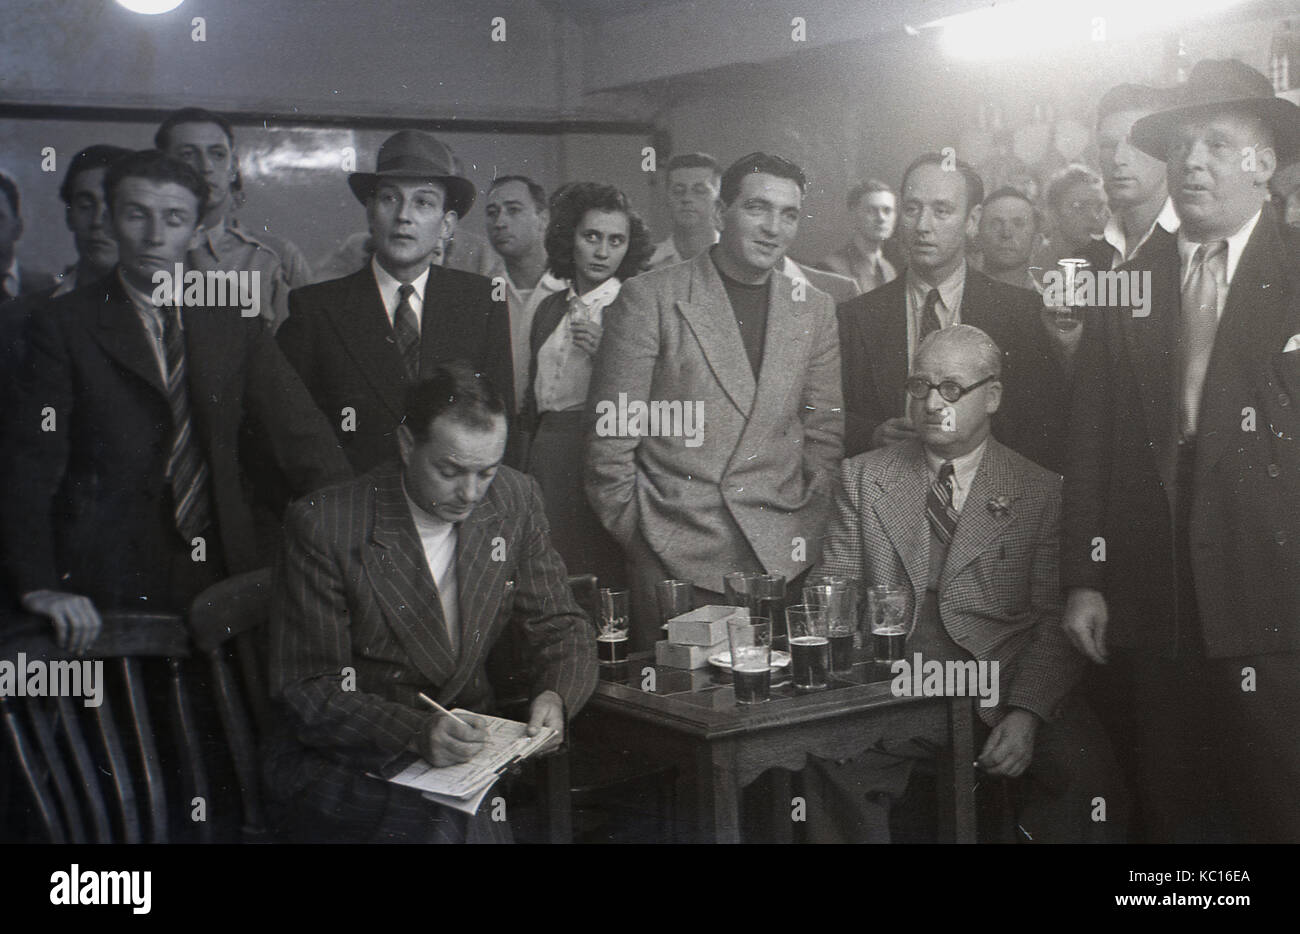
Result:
{"points": [[938, 505], [186, 468], [406, 329]]}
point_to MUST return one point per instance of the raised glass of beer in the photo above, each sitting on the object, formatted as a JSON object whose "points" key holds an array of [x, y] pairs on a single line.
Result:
{"points": [[890, 621], [611, 641], [751, 657], [810, 648]]}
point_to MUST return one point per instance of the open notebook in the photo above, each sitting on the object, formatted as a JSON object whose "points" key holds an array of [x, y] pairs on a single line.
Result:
{"points": [[464, 786]]}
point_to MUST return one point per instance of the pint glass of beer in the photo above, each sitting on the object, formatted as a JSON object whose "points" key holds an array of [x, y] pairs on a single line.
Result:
{"points": [[611, 642], [810, 649], [890, 622], [751, 657], [675, 597], [835, 596]]}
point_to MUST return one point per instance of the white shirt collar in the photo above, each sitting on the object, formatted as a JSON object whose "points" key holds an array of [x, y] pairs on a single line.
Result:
{"points": [[1166, 220], [600, 296], [389, 285], [964, 469], [950, 289], [1236, 243], [426, 524]]}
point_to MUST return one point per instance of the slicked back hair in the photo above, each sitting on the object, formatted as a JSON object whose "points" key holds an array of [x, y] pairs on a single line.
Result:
{"points": [[457, 390]]}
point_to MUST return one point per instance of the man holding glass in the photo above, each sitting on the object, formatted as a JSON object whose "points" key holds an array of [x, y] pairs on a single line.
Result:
{"points": [[969, 530]]}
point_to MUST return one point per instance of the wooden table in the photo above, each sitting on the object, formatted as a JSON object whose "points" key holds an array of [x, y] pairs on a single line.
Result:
{"points": [[692, 718]]}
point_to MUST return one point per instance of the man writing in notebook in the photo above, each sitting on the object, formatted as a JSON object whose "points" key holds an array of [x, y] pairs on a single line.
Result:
{"points": [[399, 584]]}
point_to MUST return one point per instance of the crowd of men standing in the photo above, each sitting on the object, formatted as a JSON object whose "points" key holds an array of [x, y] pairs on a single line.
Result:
{"points": [[909, 403]]}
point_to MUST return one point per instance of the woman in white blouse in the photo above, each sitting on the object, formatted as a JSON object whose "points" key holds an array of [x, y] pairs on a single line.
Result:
{"points": [[595, 241]]}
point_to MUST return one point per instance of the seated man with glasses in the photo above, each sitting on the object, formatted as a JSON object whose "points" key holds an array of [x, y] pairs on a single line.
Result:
{"points": [[971, 529]]}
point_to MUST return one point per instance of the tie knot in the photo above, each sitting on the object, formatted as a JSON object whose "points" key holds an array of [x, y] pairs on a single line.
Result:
{"points": [[405, 291], [931, 298], [945, 471], [1210, 249]]}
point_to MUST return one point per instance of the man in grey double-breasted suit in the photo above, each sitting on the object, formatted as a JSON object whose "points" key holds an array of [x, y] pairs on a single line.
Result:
{"points": [[717, 423]]}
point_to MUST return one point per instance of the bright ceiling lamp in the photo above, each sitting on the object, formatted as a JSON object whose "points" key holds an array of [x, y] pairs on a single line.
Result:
{"points": [[151, 6], [1024, 28]]}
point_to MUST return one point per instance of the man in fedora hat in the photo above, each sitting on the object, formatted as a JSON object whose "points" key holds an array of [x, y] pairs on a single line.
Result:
{"points": [[1182, 536], [361, 340]]}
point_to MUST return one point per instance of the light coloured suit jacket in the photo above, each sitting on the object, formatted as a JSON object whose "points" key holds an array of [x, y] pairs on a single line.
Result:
{"points": [[353, 591], [760, 481], [999, 593]]}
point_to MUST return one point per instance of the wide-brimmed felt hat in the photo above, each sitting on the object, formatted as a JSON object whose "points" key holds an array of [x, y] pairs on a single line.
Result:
{"points": [[1217, 85], [414, 154]]}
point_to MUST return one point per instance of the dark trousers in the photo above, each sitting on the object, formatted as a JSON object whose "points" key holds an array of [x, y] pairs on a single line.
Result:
{"points": [[1216, 741], [1072, 780]]}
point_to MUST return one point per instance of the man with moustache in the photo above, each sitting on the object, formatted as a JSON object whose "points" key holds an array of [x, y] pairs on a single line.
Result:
{"points": [[360, 341], [1182, 540], [692, 194], [727, 332], [407, 577], [879, 331], [123, 485], [205, 142]]}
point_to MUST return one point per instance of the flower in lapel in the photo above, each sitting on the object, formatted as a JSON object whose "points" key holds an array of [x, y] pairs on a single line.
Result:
{"points": [[999, 505]]}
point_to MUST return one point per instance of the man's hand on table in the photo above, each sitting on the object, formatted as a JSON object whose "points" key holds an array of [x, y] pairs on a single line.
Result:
{"points": [[448, 742], [547, 710], [1010, 747]]}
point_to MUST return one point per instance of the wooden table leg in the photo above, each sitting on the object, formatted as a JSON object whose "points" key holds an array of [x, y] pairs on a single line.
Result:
{"points": [[717, 794]]}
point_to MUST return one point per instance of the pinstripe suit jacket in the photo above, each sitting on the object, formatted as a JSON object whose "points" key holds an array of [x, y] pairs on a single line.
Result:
{"points": [[999, 593], [353, 591]]}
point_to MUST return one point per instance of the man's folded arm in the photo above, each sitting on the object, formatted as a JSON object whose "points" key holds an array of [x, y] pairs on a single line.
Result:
{"points": [[311, 646]]}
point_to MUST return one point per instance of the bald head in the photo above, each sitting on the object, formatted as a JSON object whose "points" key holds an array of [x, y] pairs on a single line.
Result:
{"points": [[966, 343], [968, 357]]}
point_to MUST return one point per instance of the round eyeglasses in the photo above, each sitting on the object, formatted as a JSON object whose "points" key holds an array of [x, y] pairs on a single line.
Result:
{"points": [[918, 387]]}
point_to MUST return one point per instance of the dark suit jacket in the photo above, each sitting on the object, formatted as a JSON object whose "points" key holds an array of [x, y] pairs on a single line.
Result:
{"points": [[338, 337], [873, 344], [353, 590], [999, 593], [1245, 522], [82, 501]]}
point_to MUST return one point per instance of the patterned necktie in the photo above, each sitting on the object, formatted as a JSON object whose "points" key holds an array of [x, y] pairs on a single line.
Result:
{"points": [[938, 505], [186, 468], [1200, 320], [407, 331], [929, 317]]}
